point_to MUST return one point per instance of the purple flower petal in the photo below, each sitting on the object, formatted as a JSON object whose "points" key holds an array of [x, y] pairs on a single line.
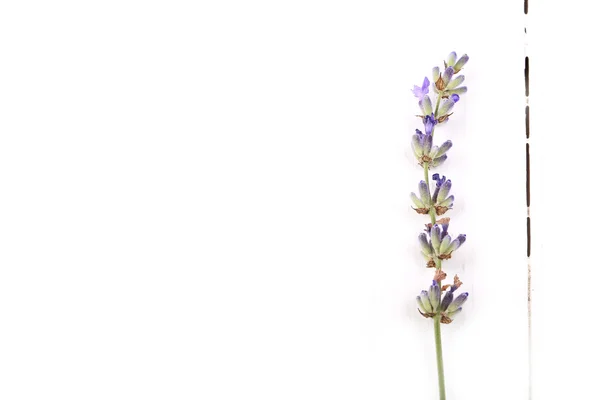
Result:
{"points": [[444, 232], [425, 86], [429, 123], [420, 92]]}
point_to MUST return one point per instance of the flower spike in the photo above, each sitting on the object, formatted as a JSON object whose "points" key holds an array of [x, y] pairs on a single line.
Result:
{"points": [[433, 198]]}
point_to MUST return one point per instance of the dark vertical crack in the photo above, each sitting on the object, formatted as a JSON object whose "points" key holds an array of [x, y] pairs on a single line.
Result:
{"points": [[527, 179], [526, 76], [527, 125]]}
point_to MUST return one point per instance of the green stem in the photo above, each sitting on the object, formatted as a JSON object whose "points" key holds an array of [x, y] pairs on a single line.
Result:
{"points": [[432, 215], [432, 209], [439, 357], [438, 266], [437, 107]]}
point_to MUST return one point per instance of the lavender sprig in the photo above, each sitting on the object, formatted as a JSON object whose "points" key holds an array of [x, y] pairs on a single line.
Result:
{"points": [[437, 244]]}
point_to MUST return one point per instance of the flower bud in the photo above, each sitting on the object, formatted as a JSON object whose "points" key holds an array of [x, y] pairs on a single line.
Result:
{"points": [[446, 107], [445, 222], [448, 202], [444, 190], [425, 301], [427, 143], [448, 297], [451, 58], [417, 201], [458, 302], [455, 82], [456, 243], [425, 105], [436, 237], [421, 305], [436, 74], [429, 122], [447, 145], [434, 295], [458, 90], [445, 244], [417, 145], [425, 245], [439, 161], [461, 62], [447, 75], [438, 183], [453, 314], [424, 192]]}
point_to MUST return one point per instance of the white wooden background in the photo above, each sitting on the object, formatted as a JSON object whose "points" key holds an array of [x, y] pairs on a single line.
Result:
{"points": [[209, 200]]}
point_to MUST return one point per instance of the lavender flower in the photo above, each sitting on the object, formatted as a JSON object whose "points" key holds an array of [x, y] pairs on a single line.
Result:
{"points": [[443, 245], [440, 199], [451, 306], [425, 152], [438, 183], [420, 92], [432, 304]]}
